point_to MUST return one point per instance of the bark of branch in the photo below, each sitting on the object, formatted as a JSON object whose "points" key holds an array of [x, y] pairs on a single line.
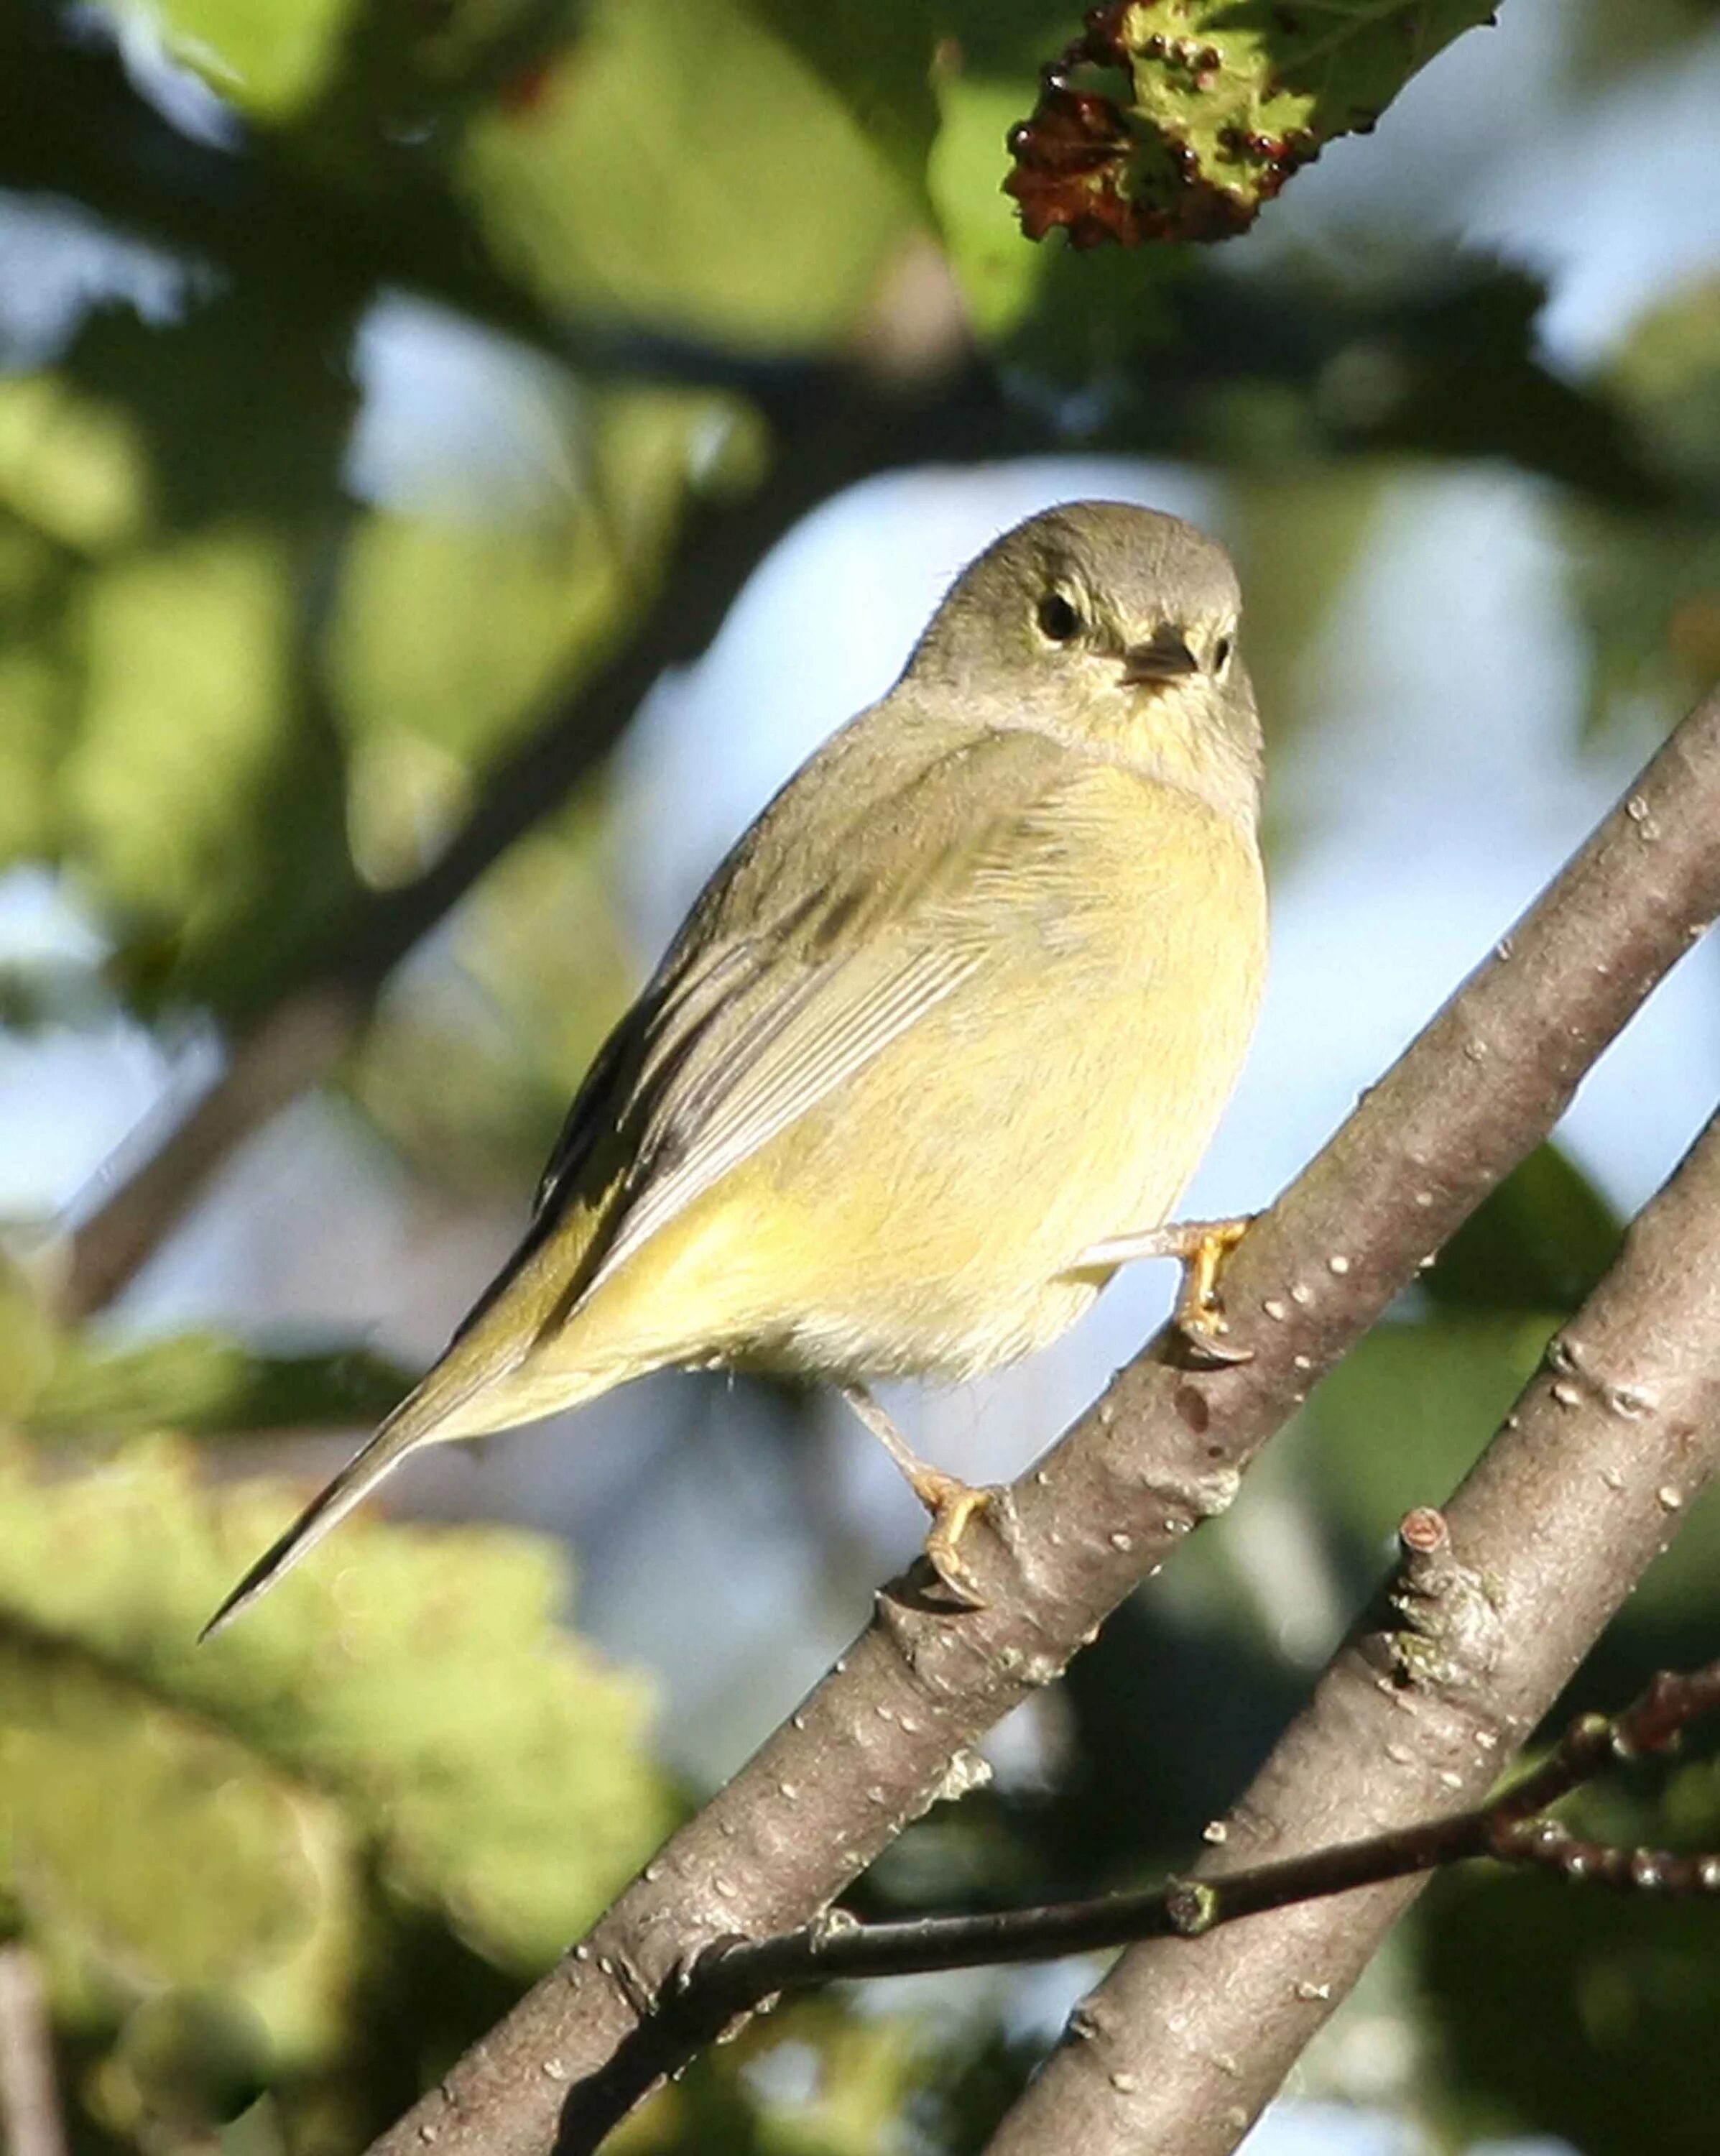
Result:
{"points": [[1511, 1827], [1582, 1488], [887, 1733]]}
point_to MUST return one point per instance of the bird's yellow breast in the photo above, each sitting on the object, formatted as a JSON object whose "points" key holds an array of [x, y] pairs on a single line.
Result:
{"points": [[925, 1218]]}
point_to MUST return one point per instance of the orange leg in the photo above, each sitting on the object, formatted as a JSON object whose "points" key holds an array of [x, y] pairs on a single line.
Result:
{"points": [[1201, 1247], [951, 1502]]}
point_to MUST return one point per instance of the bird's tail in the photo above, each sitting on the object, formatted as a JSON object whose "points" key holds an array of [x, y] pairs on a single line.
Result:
{"points": [[486, 1381], [323, 1514]]}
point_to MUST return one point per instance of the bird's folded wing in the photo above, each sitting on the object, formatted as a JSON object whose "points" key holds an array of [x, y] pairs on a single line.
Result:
{"points": [[804, 982]]}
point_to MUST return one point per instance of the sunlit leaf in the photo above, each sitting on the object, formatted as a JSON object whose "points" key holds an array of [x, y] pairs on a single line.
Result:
{"points": [[186, 655], [135, 1835], [450, 630], [26, 1342], [1209, 107], [718, 187], [876, 56], [269, 58], [998, 275], [414, 1674], [469, 1066], [71, 466]]}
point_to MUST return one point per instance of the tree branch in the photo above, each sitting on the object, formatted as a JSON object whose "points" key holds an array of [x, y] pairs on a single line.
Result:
{"points": [[887, 1731], [1578, 1492], [738, 1976]]}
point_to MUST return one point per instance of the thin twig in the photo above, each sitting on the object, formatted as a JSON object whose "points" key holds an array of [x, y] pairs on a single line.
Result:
{"points": [[889, 1732], [734, 1976]]}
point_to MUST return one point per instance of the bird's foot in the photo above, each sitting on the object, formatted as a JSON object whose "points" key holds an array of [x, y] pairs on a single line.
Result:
{"points": [[1201, 1247], [951, 1502], [1200, 1314]]}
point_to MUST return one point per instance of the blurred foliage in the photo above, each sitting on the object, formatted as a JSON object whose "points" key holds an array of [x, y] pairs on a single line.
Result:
{"points": [[1601, 1992], [285, 621], [1649, 586], [305, 1865], [1541, 1241], [712, 203], [466, 1068], [421, 1682], [1610, 37], [234, 1843]]}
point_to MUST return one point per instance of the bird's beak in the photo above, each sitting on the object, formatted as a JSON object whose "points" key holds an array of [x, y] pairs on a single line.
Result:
{"points": [[1164, 658]]}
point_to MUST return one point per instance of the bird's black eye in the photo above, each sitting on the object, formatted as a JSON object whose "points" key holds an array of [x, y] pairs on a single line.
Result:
{"points": [[1220, 654], [1057, 619]]}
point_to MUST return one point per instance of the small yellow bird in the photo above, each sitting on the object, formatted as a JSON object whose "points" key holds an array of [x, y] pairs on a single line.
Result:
{"points": [[939, 1045]]}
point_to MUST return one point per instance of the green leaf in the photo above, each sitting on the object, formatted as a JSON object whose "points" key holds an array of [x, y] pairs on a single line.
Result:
{"points": [[1400, 1421], [1648, 586], [132, 1835], [413, 1676], [1001, 280], [304, 1867], [708, 182], [73, 469], [1647, 593], [1668, 376], [202, 1384], [1222, 101], [171, 494], [448, 630], [269, 57], [1297, 535], [27, 1347], [1541, 1241], [876, 56], [469, 1065]]}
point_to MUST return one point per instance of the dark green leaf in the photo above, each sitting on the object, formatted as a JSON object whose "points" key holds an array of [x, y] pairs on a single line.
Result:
{"points": [[1560, 2008], [205, 1385], [1540, 1242], [1400, 1420], [876, 55]]}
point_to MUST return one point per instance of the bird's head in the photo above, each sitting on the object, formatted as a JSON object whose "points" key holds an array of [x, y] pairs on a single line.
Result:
{"points": [[1111, 625]]}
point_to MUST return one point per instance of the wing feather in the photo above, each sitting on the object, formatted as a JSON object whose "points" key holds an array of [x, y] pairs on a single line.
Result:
{"points": [[754, 1096], [760, 1013]]}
